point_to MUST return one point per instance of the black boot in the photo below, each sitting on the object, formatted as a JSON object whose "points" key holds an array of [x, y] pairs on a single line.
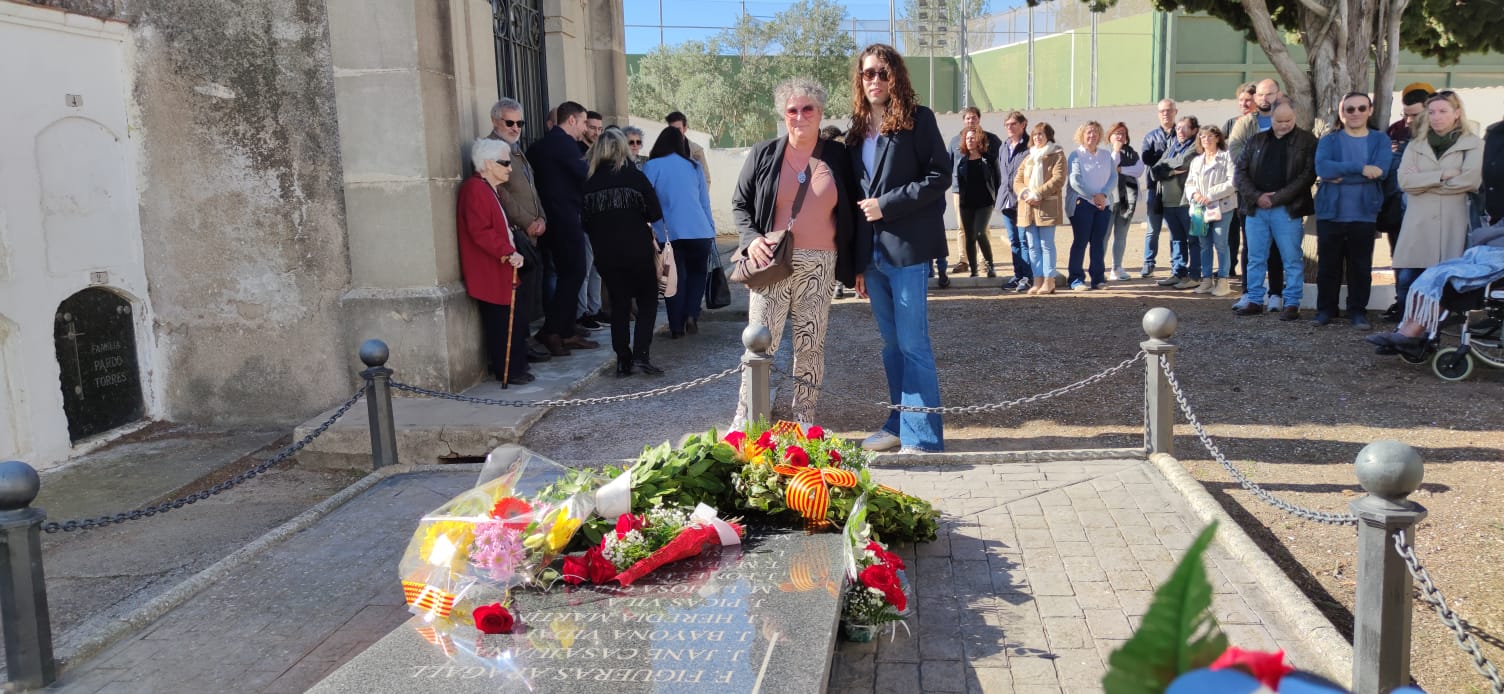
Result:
{"points": [[944, 281], [645, 366], [991, 272]]}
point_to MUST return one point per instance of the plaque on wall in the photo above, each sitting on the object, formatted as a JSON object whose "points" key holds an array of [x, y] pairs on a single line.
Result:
{"points": [[94, 334]]}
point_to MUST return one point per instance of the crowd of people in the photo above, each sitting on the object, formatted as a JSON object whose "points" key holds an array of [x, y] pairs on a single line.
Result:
{"points": [[585, 214]]}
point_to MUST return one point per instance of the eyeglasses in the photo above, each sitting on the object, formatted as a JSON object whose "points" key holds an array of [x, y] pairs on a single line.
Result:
{"points": [[1356, 108], [807, 110], [875, 74], [513, 123], [635, 143], [1011, 123], [505, 162]]}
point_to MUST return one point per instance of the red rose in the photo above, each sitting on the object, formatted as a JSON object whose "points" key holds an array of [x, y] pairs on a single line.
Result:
{"points": [[493, 619], [766, 440], [897, 598], [627, 522], [814, 433], [795, 456], [1266, 667], [575, 570], [736, 439], [879, 576], [893, 561], [598, 568], [835, 457]]}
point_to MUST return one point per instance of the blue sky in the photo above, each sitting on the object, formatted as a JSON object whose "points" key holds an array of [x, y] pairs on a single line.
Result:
{"points": [[684, 20]]}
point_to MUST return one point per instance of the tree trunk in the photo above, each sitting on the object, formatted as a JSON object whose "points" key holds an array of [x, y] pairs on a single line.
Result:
{"points": [[1386, 55]]}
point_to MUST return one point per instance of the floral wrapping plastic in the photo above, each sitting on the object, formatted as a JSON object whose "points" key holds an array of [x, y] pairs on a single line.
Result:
{"points": [[491, 538]]}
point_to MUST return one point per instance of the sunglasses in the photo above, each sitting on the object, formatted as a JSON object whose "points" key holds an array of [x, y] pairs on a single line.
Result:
{"points": [[807, 110], [505, 162], [635, 143], [878, 74], [513, 123], [1356, 108]]}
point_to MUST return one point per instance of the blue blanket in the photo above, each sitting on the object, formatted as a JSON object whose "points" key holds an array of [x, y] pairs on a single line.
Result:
{"points": [[1475, 269]]}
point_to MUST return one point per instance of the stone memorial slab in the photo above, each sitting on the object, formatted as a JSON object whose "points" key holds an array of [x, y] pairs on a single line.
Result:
{"points": [[95, 337], [759, 618]]}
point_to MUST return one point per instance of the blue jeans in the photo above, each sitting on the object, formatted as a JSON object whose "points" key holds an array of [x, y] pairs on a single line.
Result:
{"points": [[1121, 221], [1185, 250], [1041, 242], [1089, 228], [1258, 230], [1018, 246], [1156, 221], [1216, 240], [898, 305], [692, 262]]}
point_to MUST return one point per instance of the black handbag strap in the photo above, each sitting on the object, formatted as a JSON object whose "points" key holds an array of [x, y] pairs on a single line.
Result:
{"points": [[809, 175]]}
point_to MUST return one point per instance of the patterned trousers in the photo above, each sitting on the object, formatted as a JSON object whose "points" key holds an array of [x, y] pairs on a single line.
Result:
{"points": [[804, 296]]}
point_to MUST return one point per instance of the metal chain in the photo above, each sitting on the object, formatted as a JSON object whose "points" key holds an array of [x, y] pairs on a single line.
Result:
{"points": [[1438, 602], [164, 507], [1250, 485], [978, 409], [578, 402]]}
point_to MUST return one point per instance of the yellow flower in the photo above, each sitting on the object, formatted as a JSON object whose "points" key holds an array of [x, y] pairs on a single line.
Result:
{"points": [[459, 535], [563, 529]]}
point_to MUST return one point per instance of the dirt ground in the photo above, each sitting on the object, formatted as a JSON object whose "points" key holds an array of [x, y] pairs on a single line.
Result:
{"points": [[1290, 403]]}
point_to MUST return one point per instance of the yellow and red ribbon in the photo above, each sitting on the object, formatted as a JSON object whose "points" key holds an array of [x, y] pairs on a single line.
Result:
{"points": [[808, 489], [426, 598]]}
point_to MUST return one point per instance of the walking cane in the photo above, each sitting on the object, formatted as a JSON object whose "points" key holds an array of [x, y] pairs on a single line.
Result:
{"points": [[506, 367]]}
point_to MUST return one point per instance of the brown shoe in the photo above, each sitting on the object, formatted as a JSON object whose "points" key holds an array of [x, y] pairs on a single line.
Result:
{"points": [[960, 267], [578, 342], [1290, 313], [554, 345], [1250, 310]]}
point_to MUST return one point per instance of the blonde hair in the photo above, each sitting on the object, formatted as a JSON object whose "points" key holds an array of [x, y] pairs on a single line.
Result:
{"points": [[1422, 126], [1086, 127], [610, 150]]}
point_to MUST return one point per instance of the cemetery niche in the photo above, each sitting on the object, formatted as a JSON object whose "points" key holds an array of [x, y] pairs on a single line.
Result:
{"points": [[94, 334]]}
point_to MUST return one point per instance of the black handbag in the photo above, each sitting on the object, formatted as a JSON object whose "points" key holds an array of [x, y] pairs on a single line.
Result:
{"points": [[717, 289], [781, 266]]}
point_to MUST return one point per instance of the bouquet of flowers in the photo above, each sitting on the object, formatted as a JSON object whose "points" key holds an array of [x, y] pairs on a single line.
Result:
{"points": [[875, 593], [642, 543], [490, 538], [788, 470]]}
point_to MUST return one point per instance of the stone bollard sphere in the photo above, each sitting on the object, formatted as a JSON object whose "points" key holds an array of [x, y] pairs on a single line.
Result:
{"points": [[374, 353], [757, 338], [1389, 469], [1160, 323], [19, 484]]}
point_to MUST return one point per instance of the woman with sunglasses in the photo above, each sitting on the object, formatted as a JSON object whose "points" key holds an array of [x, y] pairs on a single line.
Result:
{"points": [[1351, 164], [489, 260], [687, 224], [634, 144], [1441, 165], [800, 184]]}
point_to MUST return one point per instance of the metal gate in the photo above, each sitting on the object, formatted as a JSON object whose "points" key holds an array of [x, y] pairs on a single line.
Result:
{"points": [[520, 72]]}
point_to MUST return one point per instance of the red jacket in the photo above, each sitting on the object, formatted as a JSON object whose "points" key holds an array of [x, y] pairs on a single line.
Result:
{"points": [[485, 243]]}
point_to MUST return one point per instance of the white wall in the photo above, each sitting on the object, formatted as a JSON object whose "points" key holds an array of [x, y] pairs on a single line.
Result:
{"points": [[69, 211]]}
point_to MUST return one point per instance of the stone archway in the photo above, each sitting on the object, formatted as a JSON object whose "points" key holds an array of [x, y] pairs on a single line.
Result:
{"points": [[94, 333]]}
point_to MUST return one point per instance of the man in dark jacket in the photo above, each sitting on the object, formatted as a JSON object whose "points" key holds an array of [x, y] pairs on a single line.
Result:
{"points": [[1011, 156], [560, 177], [1156, 143], [903, 170], [1274, 176]]}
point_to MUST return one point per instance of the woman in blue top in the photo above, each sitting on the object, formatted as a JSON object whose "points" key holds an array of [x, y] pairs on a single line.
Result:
{"points": [[1092, 180], [686, 224]]}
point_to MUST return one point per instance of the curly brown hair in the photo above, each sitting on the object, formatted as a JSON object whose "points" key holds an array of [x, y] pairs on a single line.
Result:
{"points": [[899, 114], [981, 146]]}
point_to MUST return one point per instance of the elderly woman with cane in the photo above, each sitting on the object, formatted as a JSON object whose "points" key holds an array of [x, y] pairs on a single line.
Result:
{"points": [[489, 262], [802, 185]]}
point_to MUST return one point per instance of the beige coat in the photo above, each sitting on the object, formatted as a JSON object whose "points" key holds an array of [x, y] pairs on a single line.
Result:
{"points": [[1050, 210], [1436, 216]]}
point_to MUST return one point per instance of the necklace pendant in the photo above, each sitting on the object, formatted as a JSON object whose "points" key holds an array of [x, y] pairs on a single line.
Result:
{"points": [[802, 178]]}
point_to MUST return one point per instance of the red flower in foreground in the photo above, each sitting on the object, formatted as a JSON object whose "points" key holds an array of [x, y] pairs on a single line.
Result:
{"points": [[493, 619], [835, 457], [1266, 667], [766, 440], [510, 507], [795, 456], [736, 439], [883, 578], [575, 570], [815, 433], [627, 522], [598, 569], [892, 560]]}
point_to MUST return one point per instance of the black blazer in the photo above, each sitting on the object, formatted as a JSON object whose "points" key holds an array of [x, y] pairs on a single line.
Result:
{"points": [[559, 173], [756, 194], [913, 171]]}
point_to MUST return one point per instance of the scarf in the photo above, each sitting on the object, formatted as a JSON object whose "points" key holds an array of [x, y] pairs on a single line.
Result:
{"points": [[1441, 143], [1036, 160]]}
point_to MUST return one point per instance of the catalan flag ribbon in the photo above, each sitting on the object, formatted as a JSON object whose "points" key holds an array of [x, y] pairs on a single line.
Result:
{"points": [[423, 597], [809, 489]]}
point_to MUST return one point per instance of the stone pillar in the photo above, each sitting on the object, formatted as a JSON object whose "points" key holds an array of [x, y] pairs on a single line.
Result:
{"points": [[565, 52], [608, 58], [400, 145], [1389, 471], [1159, 400]]}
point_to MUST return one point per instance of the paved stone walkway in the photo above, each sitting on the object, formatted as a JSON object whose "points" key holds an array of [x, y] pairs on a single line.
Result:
{"points": [[1040, 572]]}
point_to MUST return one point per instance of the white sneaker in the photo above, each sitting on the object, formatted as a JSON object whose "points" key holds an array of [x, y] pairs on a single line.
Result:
{"points": [[1275, 303], [881, 441], [912, 450], [1241, 303]]}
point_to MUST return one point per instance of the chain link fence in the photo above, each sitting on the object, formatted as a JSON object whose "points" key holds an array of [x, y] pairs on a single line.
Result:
{"points": [[165, 506], [1432, 596]]}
